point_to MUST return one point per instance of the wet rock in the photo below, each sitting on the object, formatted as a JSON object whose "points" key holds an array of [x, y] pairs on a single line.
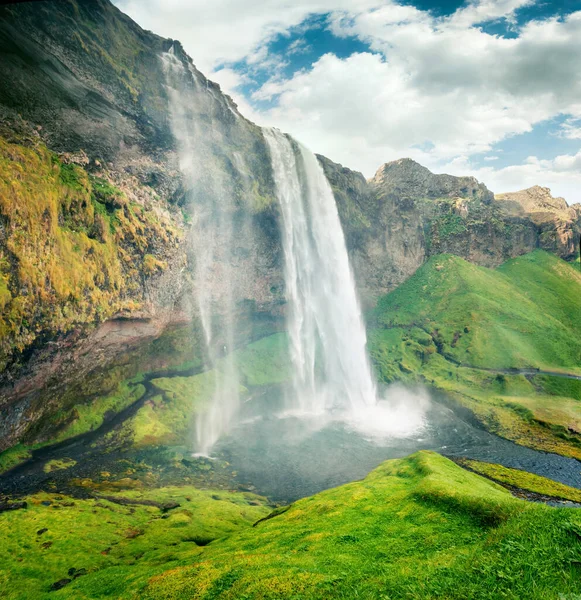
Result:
{"points": [[169, 506], [5, 506], [58, 585], [41, 531]]}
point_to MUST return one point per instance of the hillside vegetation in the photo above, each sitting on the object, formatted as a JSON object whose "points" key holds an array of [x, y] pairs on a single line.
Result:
{"points": [[419, 527], [470, 331], [73, 249]]}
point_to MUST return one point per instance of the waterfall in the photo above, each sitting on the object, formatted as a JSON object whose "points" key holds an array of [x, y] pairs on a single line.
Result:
{"points": [[331, 372], [211, 241], [326, 331]]}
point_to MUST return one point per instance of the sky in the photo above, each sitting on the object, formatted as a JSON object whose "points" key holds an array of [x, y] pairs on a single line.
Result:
{"points": [[490, 88]]}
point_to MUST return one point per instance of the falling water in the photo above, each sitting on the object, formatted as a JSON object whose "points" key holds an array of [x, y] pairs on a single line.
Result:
{"points": [[211, 241], [327, 336]]}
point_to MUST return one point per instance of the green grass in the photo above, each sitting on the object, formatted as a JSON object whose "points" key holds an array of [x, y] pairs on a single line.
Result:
{"points": [[525, 481], [90, 416], [14, 456], [119, 546], [415, 528], [526, 313], [168, 418], [453, 320], [265, 362], [81, 419]]}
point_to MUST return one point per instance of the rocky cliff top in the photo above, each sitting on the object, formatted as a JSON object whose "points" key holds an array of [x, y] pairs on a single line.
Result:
{"points": [[407, 179], [538, 203]]}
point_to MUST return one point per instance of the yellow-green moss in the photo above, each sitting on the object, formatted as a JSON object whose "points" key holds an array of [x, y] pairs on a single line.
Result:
{"points": [[120, 545], [524, 480], [416, 528], [59, 464], [74, 249]]}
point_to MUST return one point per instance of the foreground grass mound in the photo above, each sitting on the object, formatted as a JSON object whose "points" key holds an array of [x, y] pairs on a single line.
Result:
{"points": [[110, 545], [482, 335], [419, 527]]}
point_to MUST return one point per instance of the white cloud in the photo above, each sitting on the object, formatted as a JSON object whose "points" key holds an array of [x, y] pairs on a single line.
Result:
{"points": [[438, 89], [571, 129], [224, 31], [561, 174], [436, 80]]}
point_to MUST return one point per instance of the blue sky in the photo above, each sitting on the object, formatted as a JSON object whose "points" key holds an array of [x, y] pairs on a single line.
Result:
{"points": [[488, 87]]}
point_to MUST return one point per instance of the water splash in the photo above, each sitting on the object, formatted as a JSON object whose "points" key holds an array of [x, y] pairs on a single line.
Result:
{"points": [[327, 336]]}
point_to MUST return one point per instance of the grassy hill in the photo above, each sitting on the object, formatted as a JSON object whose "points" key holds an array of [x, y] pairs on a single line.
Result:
{"points": [[463, 328], [419, 527]]}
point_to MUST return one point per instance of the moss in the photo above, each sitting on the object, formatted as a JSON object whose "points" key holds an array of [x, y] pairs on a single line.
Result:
{"points": [[14, 456], [91, 415], [265, 362], [60, 464], [419, 527], [453, 323], [114, 547], [152, 265], [73, 254], [168, 417], [524, 481], [104, 192]]}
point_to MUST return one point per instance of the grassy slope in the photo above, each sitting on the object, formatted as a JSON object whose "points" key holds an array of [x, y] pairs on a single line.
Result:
{"points": [[453, 320], [122, 545], [526, 313], [168, 418], [419, 527], [523, 480]]}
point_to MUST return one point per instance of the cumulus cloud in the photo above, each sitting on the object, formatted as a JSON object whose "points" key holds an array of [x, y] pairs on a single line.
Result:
{"points": [[438, 89], [222, 31], [433, 80], [561, 174]]}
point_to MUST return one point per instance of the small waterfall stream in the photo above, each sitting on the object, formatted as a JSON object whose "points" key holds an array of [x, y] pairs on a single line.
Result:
{"points": [[211, 241]]}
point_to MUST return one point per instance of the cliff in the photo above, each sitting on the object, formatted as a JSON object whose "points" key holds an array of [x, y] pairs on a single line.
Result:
{"points": [[96, 218], [404, 214]]}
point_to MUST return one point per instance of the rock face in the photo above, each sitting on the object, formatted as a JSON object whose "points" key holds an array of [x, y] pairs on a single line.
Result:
{"points": [[559, 224], [405, 179], [403, 215], [85, 126]]}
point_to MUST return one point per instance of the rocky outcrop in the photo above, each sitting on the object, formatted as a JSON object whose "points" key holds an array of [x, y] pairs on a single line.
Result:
{"points": [[405, 179], [559, 224], [395, 221]]}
